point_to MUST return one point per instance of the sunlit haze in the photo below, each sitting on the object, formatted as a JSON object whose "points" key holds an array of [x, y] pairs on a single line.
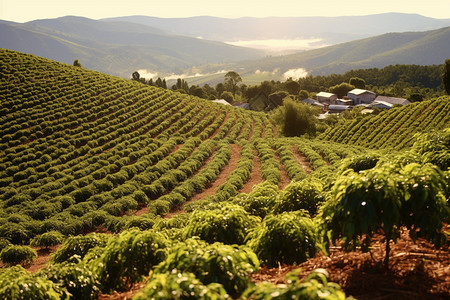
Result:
{"points": [[27, 10]]}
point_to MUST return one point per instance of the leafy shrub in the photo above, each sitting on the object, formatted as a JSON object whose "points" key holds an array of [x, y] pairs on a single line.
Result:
{"points": [[140, 197], [79, 245], [141, 222], [4, 243], [229, 265], [286, 238], [159, 207], [260, 201], [384, 199], [434, 147], [95, 218], [306, 194], [77, 278], [15, 233], [16, 283], [314, 287], [177, 221], [129, 256], [16, 254], [47, 239], [178, 285], [228, 224], [360, 162]]}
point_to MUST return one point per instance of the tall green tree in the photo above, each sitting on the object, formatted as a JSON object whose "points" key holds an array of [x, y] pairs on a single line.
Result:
{"points": [[342, 89], [232, 80], [227, 96], [295, 119], [293, 87], [446, 76], [135, 76], [358, 82], [76, 63]]}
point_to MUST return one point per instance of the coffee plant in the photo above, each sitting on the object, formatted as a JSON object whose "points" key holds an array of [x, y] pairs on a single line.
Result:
{"points": [[179, 285], [287, 238], [229, 265]]}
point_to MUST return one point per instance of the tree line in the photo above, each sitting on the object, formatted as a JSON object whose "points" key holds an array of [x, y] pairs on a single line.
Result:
{"points": [[413, 82]]}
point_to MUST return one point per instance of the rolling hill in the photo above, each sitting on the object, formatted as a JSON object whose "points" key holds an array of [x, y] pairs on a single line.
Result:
{"points": [[419, 48], [116, 48], [140, 180], [331, 29]]}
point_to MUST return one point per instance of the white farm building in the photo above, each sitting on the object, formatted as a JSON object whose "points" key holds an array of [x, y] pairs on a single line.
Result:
{"points": [[360, 96]]}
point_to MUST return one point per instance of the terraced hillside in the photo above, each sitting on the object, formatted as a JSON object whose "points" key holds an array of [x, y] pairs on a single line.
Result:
{"points": [[119, 180], [80, 149], [394, 128]]}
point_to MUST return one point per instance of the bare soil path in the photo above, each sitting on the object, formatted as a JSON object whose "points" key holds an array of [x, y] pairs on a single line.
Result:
{"points": [[222, 177], [255, 176], [301, 160], [285, 180]]}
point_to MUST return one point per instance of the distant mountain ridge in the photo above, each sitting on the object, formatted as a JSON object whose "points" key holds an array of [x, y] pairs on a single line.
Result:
{"points": [[332, 29], [414, 48], [117, 48], [421, 48], [121, 46]]}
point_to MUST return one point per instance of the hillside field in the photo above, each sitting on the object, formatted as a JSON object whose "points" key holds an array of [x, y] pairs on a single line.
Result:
{"points": [[153, 190]]}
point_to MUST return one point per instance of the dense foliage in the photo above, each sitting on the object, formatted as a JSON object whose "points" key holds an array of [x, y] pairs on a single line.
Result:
{"points": [[16, 254], [228, 224], [295, 119], [288, 238], [47, 239], [178, 285], [384, 199], [304, 195], [17, 283], [77, 278], [314, 287], [79, 245], [129, 257], [229, 265]]}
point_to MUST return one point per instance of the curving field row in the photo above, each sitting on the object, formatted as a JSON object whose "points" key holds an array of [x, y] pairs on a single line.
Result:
{"points": [[394, 128], [81, 149]]}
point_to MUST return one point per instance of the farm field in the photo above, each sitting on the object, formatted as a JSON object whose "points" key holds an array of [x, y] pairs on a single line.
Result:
{"points": [[138, 181]]}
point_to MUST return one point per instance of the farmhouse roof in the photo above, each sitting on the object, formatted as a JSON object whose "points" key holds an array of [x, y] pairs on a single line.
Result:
{"points": [[381, 104], [392, 100], [221, 101], [360, 91], [325, 94], [346, 101]]}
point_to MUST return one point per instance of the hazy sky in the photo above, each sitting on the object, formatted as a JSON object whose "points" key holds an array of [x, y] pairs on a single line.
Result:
{"points": [[27, 10]]}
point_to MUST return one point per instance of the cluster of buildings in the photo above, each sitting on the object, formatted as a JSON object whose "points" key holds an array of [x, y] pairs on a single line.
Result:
{"points": [[330, 102]]}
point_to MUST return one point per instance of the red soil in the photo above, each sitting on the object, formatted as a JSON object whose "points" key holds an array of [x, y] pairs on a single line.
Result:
{"points": [[417, 270], [301, 160], [285, 180], [226, 171], [255, 176]]}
